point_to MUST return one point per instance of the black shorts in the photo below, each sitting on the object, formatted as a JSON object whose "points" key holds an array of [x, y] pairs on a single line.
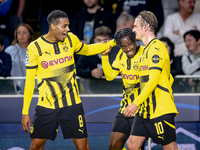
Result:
{"points": [[161, 130], [71, 120], [122, 124]]}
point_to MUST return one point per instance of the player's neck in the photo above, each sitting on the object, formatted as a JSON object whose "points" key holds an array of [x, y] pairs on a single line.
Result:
{"points": [[146, 39], [50, 37]]}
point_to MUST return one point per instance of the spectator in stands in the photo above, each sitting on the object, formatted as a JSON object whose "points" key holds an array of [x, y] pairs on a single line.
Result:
{"points": [[5, 60], [191, 58], [88, 19], [176, 67], [5, 7], [22, 37], [90, 66], [46, 6], [6, 86], [134, 7], [11, 20], [91, 17], [178, 23]]}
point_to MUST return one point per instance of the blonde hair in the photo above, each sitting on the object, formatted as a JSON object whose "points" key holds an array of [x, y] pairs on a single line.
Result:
{"points": [[29, 29], [148, 18]]}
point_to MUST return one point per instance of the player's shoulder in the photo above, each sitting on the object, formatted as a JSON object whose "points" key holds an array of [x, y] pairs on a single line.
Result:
{"points": [[72, 35], [157, 44], [35, 41], [141, 48]]}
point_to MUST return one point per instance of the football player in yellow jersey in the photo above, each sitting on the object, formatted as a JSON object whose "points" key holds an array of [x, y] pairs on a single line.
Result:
{"points": [[51, 58], [155, 104], [126, 64]]}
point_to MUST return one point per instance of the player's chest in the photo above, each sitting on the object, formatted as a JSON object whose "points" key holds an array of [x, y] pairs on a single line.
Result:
{"points": [[129, 65], [56, 55]]}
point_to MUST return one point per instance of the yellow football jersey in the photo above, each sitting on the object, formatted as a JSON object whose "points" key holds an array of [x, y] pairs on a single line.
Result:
{"points": [[128, 68], [53, 63], [156, 97]]}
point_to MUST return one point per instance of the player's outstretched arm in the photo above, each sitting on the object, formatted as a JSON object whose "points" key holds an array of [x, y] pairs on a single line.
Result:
{"points": [[93, 49]]}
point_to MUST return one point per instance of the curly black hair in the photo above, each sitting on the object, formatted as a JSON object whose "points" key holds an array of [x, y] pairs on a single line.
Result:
{"points": [[124, 33]]}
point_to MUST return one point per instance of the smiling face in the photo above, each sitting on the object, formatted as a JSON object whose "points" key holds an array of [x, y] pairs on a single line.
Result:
{"points": [[61, 29], [128, 46], [191, 43]]}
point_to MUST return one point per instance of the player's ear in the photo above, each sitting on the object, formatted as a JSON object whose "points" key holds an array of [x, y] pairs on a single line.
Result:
{"points": [[146, 27], [52, 26]]}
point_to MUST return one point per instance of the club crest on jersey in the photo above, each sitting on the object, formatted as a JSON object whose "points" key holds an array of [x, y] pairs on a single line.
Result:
{"points": [[155, 59], [65, 47], [135, 66], [27, 60], [27, 57]]}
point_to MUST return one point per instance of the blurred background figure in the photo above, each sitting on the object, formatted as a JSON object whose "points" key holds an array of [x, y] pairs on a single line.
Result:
{"points": [[11, 20], [46, 6], [176, 66], [134, 7], [6, 86], [176, 24], [5, 60], [191, 59], [90, 66], [22, 37], [5, 7], [89, 18]]}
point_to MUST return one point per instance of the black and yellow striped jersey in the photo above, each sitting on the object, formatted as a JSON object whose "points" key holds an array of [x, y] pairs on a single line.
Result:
{"points": [[156, 97], [128, 68], [54, 65]]}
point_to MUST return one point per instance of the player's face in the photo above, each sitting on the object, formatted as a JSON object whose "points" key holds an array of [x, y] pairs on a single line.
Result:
{"points": [[191, 43], [138, 29], [61, 29], [128, 46]]}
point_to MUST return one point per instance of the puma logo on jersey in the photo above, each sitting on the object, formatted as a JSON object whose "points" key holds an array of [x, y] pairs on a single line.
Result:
{"points": [[81, 131], [157, 48], [48, 53], [161, 137]]}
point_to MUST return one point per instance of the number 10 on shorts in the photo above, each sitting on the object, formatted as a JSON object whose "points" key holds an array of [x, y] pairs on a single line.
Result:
{"points": [[159, 128]]}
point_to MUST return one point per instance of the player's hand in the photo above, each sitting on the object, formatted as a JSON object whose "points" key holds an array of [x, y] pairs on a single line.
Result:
{"points": [[97, 73], [130, 110], [105, 53], [26, 121]]}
